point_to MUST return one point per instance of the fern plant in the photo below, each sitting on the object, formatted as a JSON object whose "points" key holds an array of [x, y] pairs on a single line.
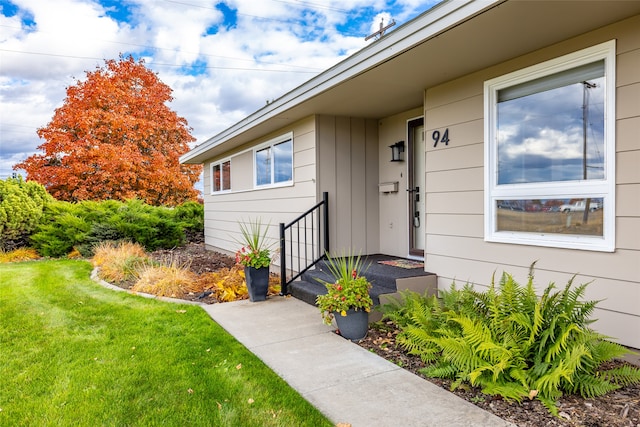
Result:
{"points": [[418, 317], [511, 342]]}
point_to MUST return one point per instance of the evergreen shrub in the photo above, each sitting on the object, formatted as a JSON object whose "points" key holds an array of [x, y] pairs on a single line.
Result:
{"points": [[190, 215], [63, 227], [153, 227], [21, 209], [83, 225]]}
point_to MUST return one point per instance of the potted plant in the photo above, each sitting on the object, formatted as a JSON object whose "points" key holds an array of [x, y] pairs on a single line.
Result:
{"points": [[347, 298], [255, 256]]}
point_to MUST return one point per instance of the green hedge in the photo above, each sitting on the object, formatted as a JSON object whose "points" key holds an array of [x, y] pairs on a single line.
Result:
{"points": [[82, 225]]}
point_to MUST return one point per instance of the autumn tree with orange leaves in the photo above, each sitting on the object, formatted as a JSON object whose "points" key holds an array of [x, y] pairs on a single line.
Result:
{"points": [[115, 138]]}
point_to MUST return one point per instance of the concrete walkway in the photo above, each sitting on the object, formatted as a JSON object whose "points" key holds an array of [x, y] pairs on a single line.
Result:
{"points": [[344, 381]]}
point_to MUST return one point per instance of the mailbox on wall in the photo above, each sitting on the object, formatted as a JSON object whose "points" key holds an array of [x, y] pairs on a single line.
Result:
{"points": [[388, 187]]}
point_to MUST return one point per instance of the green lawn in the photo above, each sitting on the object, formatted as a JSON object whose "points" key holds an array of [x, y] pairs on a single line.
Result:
{"points": [[75, 354]]}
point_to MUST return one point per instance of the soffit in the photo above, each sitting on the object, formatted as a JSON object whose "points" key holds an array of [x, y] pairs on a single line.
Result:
{"points": [[502, 32]]}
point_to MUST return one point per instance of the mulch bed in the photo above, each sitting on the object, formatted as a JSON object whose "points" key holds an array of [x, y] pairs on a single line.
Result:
{"points": [[196, 257]]}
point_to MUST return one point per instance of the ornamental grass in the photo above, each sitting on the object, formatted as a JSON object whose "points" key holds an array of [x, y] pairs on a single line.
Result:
{"points": [[173, 280], [118, 262], [18, 255]]}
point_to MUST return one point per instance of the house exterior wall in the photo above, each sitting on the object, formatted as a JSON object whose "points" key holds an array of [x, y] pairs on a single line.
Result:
{"points": [[394, 206], [271, 205], [455, 246], [347, 150]]}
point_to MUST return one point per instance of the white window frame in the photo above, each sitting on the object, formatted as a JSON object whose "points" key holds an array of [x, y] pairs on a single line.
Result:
{"points": [[270, 144], [212, 176], [604, 188]]}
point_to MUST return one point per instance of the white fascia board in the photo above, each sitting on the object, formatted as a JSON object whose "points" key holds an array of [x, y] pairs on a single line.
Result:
{"points": [[434, 21]]}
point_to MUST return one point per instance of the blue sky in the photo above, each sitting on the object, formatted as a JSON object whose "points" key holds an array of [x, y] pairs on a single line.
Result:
{"points": [[223, 59]]}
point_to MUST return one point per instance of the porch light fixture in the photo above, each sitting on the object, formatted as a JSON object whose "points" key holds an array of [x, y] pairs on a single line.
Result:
{"points": [[396, 151]]}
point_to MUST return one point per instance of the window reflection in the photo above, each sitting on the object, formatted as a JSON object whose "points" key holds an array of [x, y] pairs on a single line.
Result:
{"points": [[274, 164], [226, 175], [558, 216], [283, 161], [263, 166], [216, 178], [221, 177], [552, 135]]}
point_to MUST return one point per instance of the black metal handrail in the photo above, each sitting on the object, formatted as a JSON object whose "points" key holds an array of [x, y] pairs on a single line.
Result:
{"points": [[315, 224]]}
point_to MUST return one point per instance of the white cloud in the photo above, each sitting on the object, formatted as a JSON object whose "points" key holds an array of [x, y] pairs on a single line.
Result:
{"points": [[47, 45]]}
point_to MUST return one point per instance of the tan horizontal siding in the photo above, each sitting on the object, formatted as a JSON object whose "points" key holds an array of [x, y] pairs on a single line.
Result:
{"points": [[626, 33], [454, 92], [628, 66], [628, 201], [457, 156], [467, 110], [242, 171], [305, 174], [305, 141], [272, 201], [456, 180], [627, 236], [304, 158], [621, 265], [456, 225], [206, 178], [628, 167], [467, 202], [628, 101], [615, 295], [627, 134], [614, 324]]}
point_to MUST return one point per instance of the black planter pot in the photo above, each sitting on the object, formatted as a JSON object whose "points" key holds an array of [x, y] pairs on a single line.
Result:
{"points": [[354, 325], [257, 283]]}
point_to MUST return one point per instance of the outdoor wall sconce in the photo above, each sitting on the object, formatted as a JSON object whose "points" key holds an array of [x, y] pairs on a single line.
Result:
{"points": [[396, 151]]}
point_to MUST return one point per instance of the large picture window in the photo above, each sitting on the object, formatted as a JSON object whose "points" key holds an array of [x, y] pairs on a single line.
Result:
{"points": [[221, 176], [550, 153], [274, 162]]}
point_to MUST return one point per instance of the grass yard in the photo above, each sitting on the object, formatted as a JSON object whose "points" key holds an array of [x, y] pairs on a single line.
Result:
{"points": [[75, 354]]}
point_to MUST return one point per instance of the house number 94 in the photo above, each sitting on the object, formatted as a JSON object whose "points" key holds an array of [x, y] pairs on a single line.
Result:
{"points": [[440, 138]]}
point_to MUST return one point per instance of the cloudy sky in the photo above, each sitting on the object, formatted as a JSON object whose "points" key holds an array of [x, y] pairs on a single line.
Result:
{"points": [[223, 59]]}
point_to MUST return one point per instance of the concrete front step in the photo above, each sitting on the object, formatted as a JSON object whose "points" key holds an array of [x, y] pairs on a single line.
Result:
{"points": [[387, 281]]}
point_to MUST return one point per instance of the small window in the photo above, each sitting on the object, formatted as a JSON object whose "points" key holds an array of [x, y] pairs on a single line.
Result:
{"points": [[550, 153], [274, 162], [221, 177]]}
